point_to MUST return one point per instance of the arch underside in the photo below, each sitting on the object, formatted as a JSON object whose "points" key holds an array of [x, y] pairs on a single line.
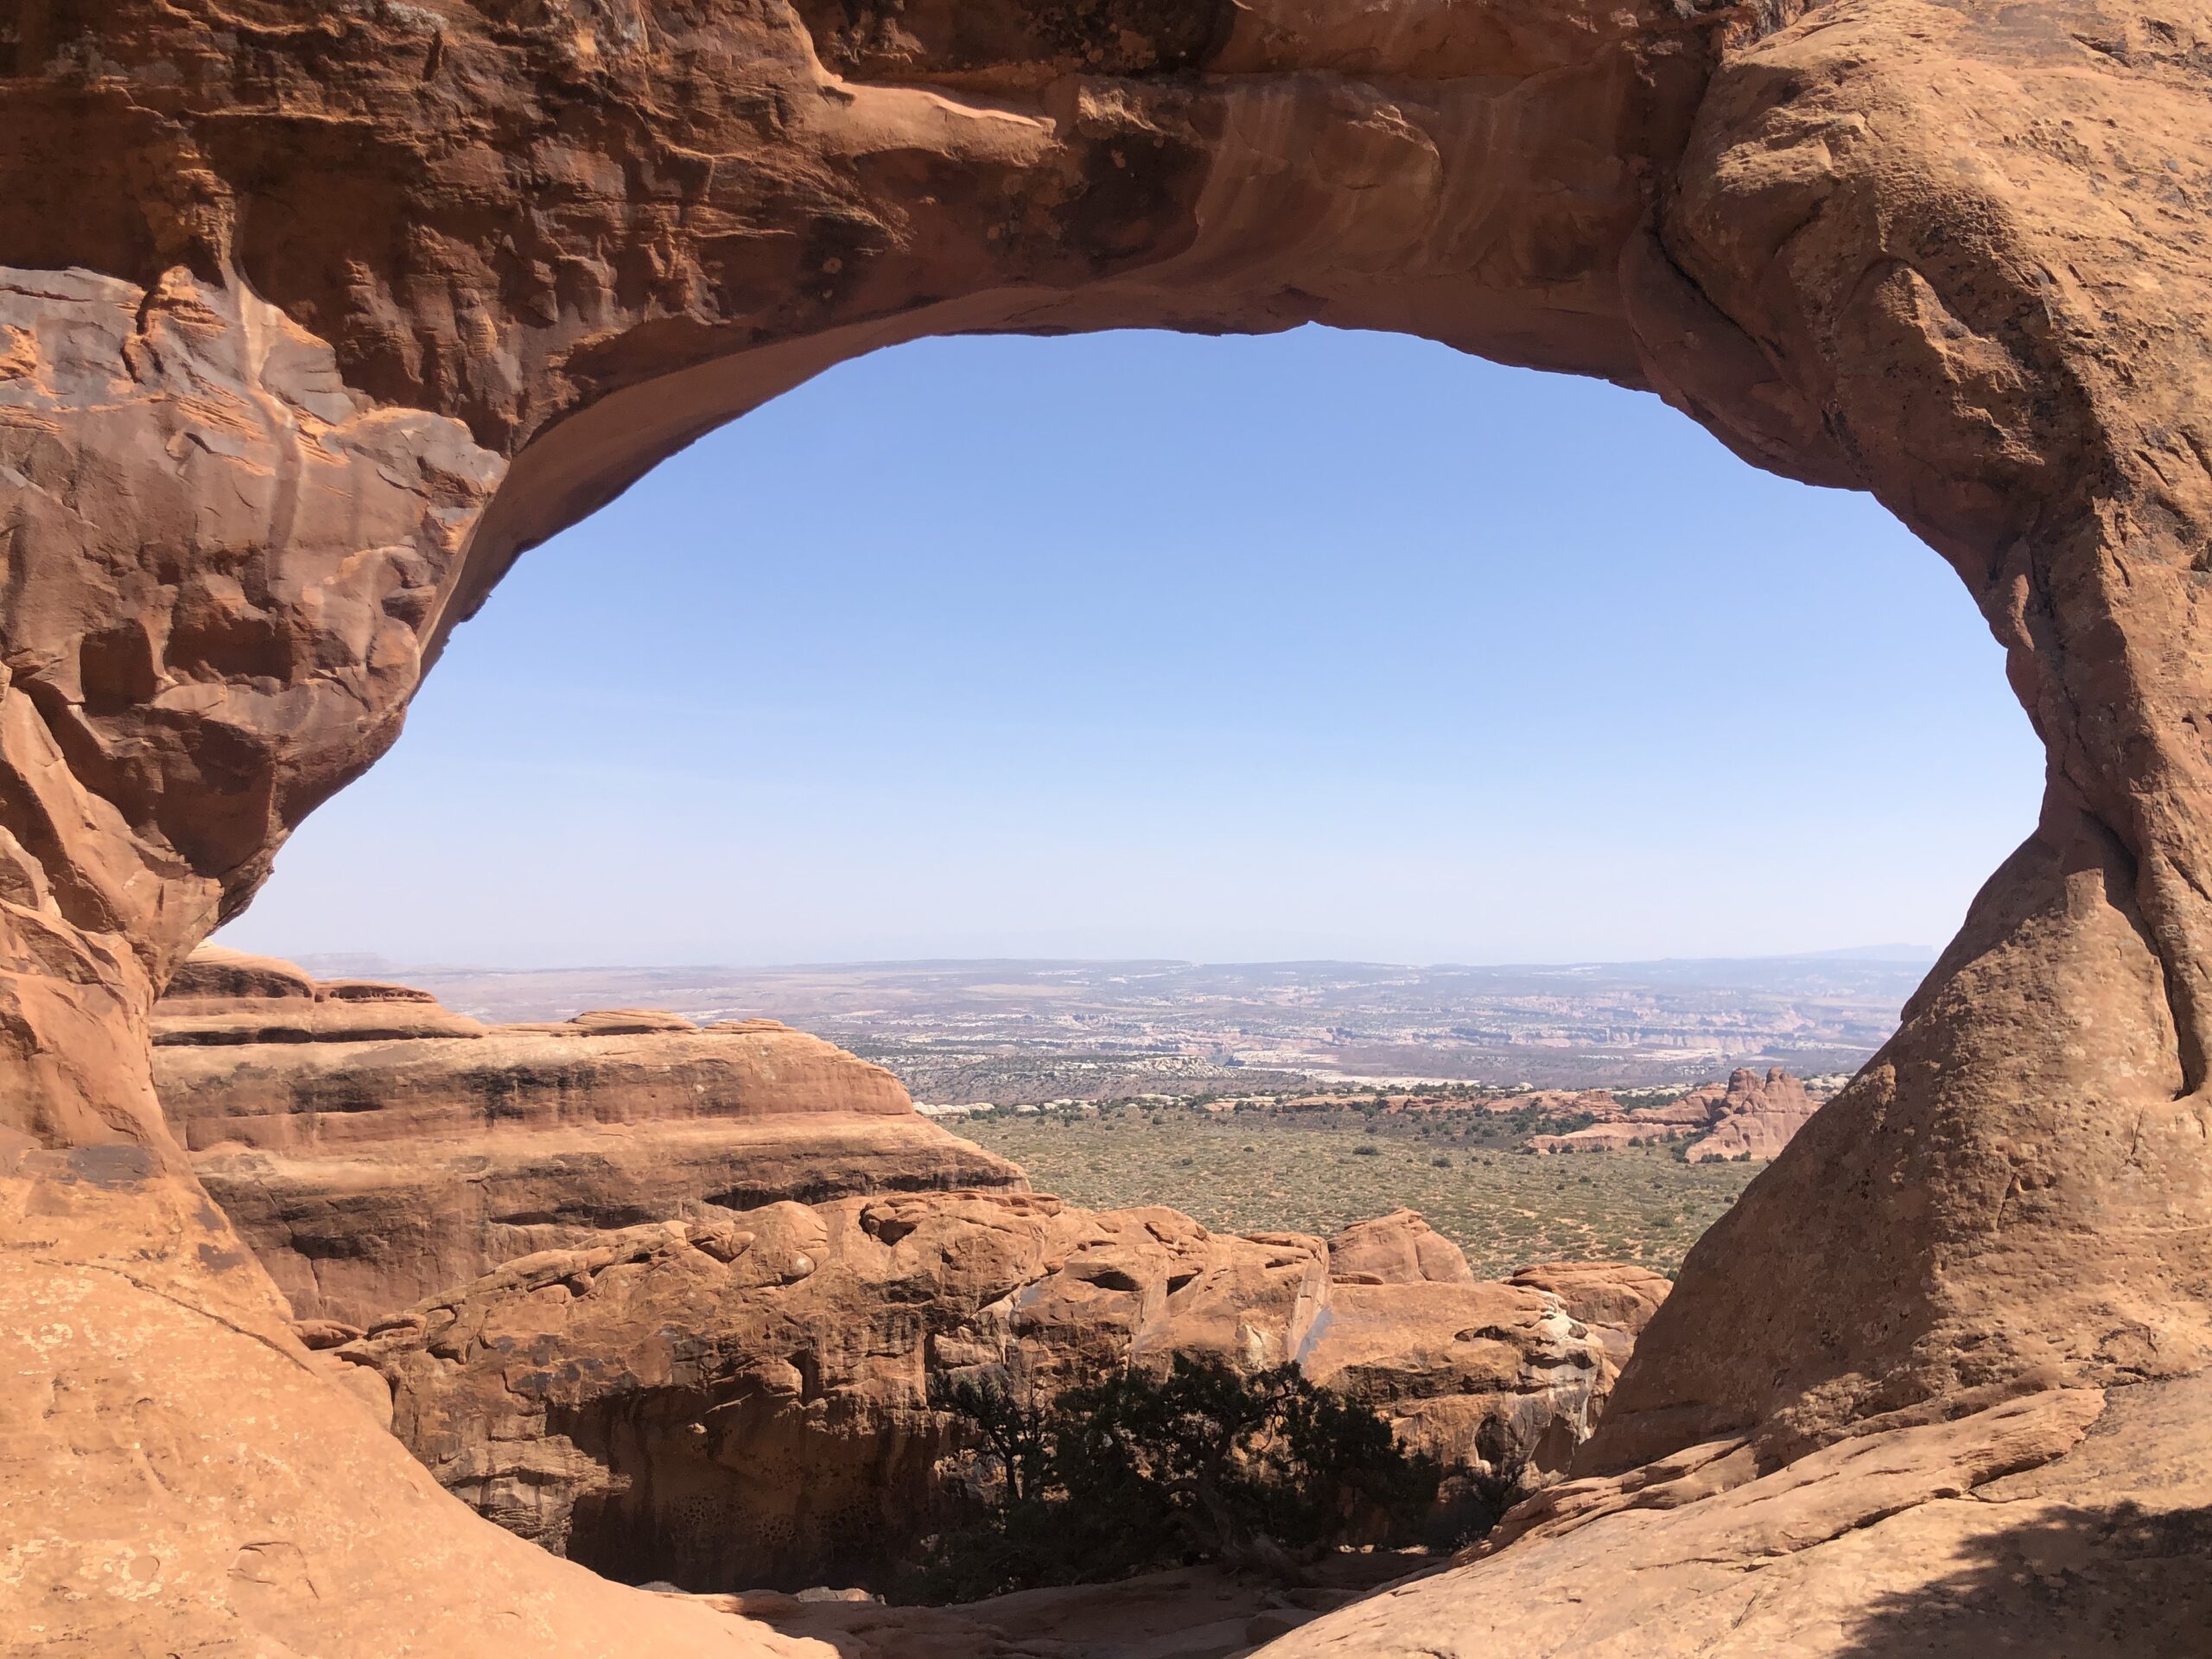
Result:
{"points": [[312, 322]]}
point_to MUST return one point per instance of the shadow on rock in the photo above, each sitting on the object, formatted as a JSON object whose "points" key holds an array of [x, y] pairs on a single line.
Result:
{"points": [[2115, 1582]]}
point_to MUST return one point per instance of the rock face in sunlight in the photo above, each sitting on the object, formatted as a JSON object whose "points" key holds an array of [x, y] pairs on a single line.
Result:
{"points": [[2058, 1523], [312, 318], [1612, 1298], [744, 1399], [1751, 1116], [1746, 1117], [373, 1147], [1399, 1248]]}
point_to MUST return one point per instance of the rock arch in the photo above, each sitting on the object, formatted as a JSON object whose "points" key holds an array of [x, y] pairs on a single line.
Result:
{"points": [[314, 316]]}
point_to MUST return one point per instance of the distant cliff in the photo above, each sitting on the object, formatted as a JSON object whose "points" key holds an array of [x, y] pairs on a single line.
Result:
{"points": [[1746, 1117]]}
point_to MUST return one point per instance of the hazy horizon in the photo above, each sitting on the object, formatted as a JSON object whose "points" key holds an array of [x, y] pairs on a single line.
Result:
{"points": [[331, 961], [1312, 646]]}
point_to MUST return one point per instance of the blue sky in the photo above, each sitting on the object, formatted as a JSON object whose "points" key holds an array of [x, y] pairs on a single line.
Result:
{"points": [[1137, 645]]}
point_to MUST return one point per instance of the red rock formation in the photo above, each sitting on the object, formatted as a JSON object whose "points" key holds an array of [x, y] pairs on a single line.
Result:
{"points": [[746, 1399], [2007, 1530], [1406, 1330], [1614, 1298], [1745, 1117], [312, 322], [220, 998], [373, 1147], [1628, 1130], [1399, 1248], [1753, 1117]]}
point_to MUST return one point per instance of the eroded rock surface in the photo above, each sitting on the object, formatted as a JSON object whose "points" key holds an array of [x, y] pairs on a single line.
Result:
{"points": [[748, 1401], [311, 321], [1614, 1298], [373, 1147]]}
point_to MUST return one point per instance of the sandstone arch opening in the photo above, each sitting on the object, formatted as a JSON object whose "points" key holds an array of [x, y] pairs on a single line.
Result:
{"points": [[1432, 565], [310, 326], [1294, 646]]}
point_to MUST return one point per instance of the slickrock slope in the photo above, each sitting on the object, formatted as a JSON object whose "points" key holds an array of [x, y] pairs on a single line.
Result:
{"points": [[313, 318], [271, 1454], [371, 1148], [2061, 1525], [1746, 1117], [746, 1400]]}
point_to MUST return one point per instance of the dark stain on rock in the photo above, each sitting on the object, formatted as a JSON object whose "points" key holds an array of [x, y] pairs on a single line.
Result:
{"points": [[217, 1260], [1133, 37], [1136, 201], [111, 1166], [918, 40]]}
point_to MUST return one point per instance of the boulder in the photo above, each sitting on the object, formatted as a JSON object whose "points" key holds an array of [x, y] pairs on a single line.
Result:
{"points": [[1399, 1248], [1616, 1299]]}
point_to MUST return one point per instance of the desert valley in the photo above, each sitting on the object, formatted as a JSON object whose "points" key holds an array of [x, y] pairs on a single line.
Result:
{"points": [[1023, 1033], [1240, 1095], [683, 1299], [704, 1303]]}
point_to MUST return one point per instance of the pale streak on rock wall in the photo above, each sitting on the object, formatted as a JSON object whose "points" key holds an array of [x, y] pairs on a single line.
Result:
{"points": [[315, 319]]}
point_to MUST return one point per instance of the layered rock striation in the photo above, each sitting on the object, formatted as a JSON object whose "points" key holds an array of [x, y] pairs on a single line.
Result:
{"points": [[746, 1400], [373, 1147]]}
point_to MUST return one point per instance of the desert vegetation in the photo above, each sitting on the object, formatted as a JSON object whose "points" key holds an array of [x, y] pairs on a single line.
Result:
{"points": [[1257, 1172], [1261, 1472]]}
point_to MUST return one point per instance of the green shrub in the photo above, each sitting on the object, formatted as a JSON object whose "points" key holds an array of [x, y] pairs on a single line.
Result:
{"points": [[1475, 1499], [1261, 1472]]}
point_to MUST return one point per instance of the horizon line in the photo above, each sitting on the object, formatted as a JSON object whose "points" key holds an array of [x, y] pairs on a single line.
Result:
{"points": [[1895, 951]]}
